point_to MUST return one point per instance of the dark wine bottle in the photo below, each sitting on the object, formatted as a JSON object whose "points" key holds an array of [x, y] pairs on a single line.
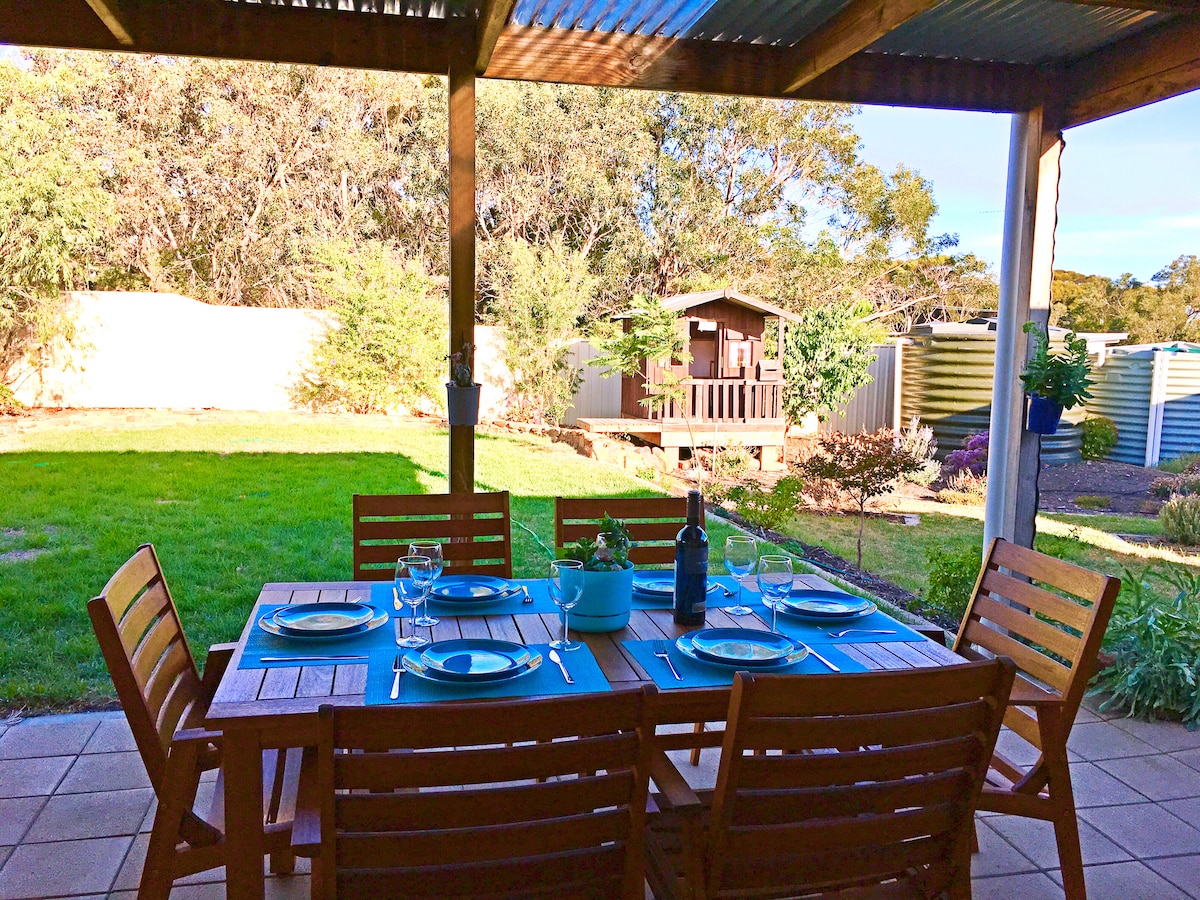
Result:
{"points": [[691, 565]]}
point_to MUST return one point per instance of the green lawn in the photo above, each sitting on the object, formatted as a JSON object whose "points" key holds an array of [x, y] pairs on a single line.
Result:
{"points": [[229, 508]]}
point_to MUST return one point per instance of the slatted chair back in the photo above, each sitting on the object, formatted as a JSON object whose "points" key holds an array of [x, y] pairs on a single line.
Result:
{"points": [[537, 798], [653, 523], [148, 657], [474, 530], [794, 809], [1053, 639]]}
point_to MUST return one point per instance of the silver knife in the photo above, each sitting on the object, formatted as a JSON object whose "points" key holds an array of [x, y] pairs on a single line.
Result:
{"points": [[823, 659], [304, 659]]}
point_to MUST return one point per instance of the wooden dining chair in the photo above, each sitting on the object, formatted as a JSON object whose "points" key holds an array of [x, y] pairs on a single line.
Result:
{"points": [[653, 523], [475, 531], [165, 701], [1049, 617], [508, 799], [834, 782]]}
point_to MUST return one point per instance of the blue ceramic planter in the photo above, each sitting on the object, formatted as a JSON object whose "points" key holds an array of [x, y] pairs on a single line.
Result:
{"points": [[1044, 415], [606, 601]]}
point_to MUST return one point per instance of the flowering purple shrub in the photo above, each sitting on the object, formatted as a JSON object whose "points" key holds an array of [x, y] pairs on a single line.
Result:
{"points": [[971, 457]]}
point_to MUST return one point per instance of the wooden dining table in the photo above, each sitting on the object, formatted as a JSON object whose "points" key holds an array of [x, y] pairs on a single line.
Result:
{"points": [[257, 709]]}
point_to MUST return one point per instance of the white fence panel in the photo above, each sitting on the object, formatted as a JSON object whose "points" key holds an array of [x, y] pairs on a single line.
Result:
{"points": [[598, 397]]}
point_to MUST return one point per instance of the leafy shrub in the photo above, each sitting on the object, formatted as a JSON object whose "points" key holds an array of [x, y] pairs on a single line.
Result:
{"points": [[730, 461], [971, 457], [1092, 501], [1180, 518], [951, 580], [767, 509], [648, 473], [9, 404], [1188, 464], [1156, 645], [1183, 485], [387, 347], [1099, 437], [964, 489], [1062, 377], [918, 441]]}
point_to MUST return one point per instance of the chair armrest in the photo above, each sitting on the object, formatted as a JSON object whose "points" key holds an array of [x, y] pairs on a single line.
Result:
{"points": [[1026, 693], [196, 735], [937, 635], [673, 786], [215, 664], [306, 825]]}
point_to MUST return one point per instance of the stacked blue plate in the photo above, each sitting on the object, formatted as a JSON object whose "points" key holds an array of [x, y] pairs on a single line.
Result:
{"points": [[468, 589], [741, 648], [467, 660], [322, 621], [807, 603]]}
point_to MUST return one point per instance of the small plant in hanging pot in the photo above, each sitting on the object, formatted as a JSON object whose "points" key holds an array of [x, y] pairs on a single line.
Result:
{"points": [[462, 392], [1055, 381], [607, 578]]}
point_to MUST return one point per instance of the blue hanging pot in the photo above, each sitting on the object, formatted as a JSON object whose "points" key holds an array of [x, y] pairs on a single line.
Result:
{"points": [[1044, 415], [462, 404]]}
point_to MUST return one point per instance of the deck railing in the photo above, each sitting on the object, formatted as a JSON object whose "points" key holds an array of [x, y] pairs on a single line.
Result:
{"points": [[725, 400]]}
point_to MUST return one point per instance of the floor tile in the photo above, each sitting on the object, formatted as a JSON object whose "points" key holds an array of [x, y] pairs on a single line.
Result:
{"points": [[1188, 810], [1182, 871], [1016, 748], [996, 856], [1158, 777], [68, 869], [209, 891], [70, 817], [1145, 830], [290, 887], [1035, 839], [1030, 886], [4, 852], [1093, 786], [48, 736], [1189, 758], [1126, 881], [1103, 740], [1169, 736], [32, 777], [112, 734], [16, 816], [105, 772]]}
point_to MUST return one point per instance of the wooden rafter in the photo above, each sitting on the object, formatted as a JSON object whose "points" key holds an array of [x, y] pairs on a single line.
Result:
{"points": [[1163, 6], [493, 16], [1154, 64], [852, 29], [250, 31], [110, 15]]}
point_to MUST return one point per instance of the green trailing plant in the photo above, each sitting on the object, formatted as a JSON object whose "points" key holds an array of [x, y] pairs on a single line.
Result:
{"points": [[1063, 377], [766, 508], [919, 441], [618, 541], [1155, 646], [952, 578], [1098, 437], [1180, 519], [461, 374]]}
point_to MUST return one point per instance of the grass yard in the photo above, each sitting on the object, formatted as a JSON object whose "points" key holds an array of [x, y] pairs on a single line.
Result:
{"points": [[229, 507]]}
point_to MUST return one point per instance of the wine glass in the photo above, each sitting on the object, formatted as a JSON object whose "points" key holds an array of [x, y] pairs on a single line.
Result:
{"points": [[433, 550], [741, 556], [775, 581], [413, 578], [566, 587]]}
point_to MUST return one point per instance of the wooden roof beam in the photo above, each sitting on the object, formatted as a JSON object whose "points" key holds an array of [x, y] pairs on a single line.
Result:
{"points": [[853, 29], [1154, 64], [493, 16], [110, 15], [248, 31], [1163, 6]]}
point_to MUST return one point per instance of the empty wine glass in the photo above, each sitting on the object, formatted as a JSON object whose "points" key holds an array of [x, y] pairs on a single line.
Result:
{"points": [[775, 581], [741, 556], [433, 550], [413, 577], [566, 587]]}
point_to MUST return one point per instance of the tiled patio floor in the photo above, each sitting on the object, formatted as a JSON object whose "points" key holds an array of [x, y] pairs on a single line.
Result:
{"points": [[76, 808]]}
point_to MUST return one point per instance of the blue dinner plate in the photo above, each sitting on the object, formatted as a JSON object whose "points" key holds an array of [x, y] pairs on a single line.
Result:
{"points": [[268, 624], [322, 618], [469, 588], [654, 583], [824, 604], [684, 646], [472, 660], [741, 645]]}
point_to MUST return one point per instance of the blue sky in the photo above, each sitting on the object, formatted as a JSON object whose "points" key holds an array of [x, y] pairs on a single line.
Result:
{"points": [[1130, 190]]}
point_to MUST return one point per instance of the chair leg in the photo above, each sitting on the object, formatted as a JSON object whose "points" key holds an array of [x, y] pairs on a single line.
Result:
{"points": [[694, 757], [1066, 836], [158, 872], [974, 836], [282, 862]]}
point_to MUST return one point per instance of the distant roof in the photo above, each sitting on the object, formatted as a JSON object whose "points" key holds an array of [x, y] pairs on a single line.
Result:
{"points": [[985, 325], [1168, 346], [687, 301]]}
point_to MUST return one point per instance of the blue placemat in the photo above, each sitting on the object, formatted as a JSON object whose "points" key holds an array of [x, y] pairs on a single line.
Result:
{"points": [[697, 674], [260, 644], [819, 632], [547, 681]]}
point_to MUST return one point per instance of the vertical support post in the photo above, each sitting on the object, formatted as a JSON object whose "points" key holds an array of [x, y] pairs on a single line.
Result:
{"points": [[1158, 398], [1026, 271], [462, 232]]}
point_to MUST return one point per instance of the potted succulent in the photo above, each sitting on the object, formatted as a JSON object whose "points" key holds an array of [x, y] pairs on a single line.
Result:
{"points": [[607, 578], [462, 392], [1055, 381]]}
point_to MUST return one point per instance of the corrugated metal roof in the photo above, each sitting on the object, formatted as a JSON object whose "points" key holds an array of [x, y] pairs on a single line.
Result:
{"points": [[671, 18], [764, 22]]}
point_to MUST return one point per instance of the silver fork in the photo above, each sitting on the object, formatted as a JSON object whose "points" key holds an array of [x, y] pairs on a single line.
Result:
{"points": [[399, 670], [859, 631], [660, 650]]}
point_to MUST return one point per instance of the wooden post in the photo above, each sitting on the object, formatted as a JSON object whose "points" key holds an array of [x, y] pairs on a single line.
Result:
{"points": [[462, 232]]}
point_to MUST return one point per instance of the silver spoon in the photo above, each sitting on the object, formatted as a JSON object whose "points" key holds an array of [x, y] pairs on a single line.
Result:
{"points": [[859, 631], [555, 658]]}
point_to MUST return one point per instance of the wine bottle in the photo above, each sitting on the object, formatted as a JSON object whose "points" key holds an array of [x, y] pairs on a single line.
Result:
{"points": [[691, 565]]}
